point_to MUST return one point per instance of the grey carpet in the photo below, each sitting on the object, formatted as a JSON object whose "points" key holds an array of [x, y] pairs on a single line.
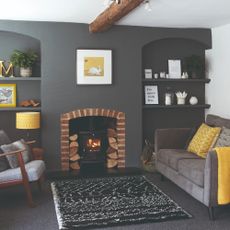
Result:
{"points": [[15, 215]]}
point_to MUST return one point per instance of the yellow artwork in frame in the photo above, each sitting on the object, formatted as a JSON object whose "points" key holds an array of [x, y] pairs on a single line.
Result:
{"points": [[94, 66], [7, 95]]}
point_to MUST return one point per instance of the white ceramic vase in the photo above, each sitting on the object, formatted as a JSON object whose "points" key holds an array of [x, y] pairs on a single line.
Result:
{"points": [[26, 72]]}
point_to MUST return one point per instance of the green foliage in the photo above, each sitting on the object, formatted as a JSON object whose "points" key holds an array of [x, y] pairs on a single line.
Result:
{"points": [[194, 65], [23, 59]]}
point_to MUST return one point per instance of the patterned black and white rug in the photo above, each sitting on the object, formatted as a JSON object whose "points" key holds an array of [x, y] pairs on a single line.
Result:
{"points": [[101, 202]]}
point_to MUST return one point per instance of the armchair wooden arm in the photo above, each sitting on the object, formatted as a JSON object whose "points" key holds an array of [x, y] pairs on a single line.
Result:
{"points": [[13, 152], [30, 142]]}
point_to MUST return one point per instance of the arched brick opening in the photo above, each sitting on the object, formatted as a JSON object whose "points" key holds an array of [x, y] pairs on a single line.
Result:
{"points": [[120, 128]]}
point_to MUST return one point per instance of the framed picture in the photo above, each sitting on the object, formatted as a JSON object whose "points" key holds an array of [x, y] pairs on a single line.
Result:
{"points": [[7, 95], [174, 67], [148, 74], [151, 95], [94, 67]]}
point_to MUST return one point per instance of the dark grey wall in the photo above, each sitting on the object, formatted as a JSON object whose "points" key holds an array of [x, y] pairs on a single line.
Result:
{"points": [[59, 92]]}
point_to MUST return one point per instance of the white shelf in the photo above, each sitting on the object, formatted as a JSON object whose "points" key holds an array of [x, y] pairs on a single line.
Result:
{"points": [[21, 109], [20, 79]]}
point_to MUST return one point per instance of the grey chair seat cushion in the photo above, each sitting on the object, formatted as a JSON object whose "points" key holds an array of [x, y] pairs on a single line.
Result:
{"points": [[171, 157], [193, 170], [34, 170]]}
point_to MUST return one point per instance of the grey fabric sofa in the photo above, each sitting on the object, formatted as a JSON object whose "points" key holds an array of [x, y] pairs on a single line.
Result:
{"points": [[195, 175]]}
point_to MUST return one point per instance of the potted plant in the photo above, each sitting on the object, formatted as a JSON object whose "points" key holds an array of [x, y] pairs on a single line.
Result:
{"points": [[24, 60], [194, 66]]}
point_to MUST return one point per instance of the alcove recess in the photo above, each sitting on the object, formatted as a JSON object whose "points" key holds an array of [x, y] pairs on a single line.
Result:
{"points": [[155, 56], [26, 88]]}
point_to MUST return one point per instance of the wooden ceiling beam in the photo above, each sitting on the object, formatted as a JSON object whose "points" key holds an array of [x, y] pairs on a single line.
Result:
{"points": [[112, 14]]}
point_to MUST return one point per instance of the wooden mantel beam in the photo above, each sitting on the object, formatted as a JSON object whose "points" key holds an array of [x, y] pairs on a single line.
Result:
{"points": [[112, 14]]}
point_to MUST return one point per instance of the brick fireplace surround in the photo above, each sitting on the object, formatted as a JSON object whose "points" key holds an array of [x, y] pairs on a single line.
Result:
{"points": [[120, 128]]}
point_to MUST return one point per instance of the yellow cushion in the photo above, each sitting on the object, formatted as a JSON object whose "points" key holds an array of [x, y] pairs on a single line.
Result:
{"points": [[203, 139]]}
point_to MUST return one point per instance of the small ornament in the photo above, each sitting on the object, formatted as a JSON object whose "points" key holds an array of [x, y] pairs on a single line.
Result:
{"points": [[193, 100], [181, 97], [155, 75], [184, 75]]}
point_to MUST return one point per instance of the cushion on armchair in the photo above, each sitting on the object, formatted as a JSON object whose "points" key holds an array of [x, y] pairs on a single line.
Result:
{"points": [[4, 139], [203, 140], [17, 145]]}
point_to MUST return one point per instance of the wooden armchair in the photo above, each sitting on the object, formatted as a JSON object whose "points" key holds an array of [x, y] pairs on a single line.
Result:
{"points": [[25, 173]]}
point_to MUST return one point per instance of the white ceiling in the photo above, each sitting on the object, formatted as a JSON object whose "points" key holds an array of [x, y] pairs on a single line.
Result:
{"points": [[165, 13]]}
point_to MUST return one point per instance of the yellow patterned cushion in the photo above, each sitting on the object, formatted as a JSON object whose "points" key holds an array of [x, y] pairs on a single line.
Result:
{"points": [[203, 139]]}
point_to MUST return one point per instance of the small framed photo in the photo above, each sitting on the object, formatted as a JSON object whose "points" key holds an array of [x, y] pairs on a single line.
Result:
{"points": [[174, 67], [151, 95], [94, 67], [148, 74], [7, 95]]}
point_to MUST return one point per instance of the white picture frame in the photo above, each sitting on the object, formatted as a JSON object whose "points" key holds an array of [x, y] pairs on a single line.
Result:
{"points": [[94, 67], [174, 68], [151, 95]]}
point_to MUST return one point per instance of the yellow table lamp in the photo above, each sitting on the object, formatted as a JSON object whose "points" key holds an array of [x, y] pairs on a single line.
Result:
{"points": [[28, 120]]}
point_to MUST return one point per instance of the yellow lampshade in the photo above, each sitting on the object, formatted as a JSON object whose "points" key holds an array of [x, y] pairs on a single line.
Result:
{"points": [[28, 120]]}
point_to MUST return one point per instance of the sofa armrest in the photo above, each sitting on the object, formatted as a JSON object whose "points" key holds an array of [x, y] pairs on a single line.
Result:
{"points": [[211, 179], [173, 138]]}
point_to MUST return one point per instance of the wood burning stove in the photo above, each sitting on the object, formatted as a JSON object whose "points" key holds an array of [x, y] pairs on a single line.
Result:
{"points": [[92, 146]]}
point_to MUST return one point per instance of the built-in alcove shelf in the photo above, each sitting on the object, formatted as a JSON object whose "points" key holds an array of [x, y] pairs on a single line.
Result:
{"points": [[15, 109], [201, 80], [205, 106], [20, 79], [155, 56]]}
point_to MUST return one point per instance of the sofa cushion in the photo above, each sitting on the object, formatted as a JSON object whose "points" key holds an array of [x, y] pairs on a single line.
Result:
{"points": [[214, 121], [171, 157], [224, 138], [193, 170], [34, 170], [203, 140]]}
